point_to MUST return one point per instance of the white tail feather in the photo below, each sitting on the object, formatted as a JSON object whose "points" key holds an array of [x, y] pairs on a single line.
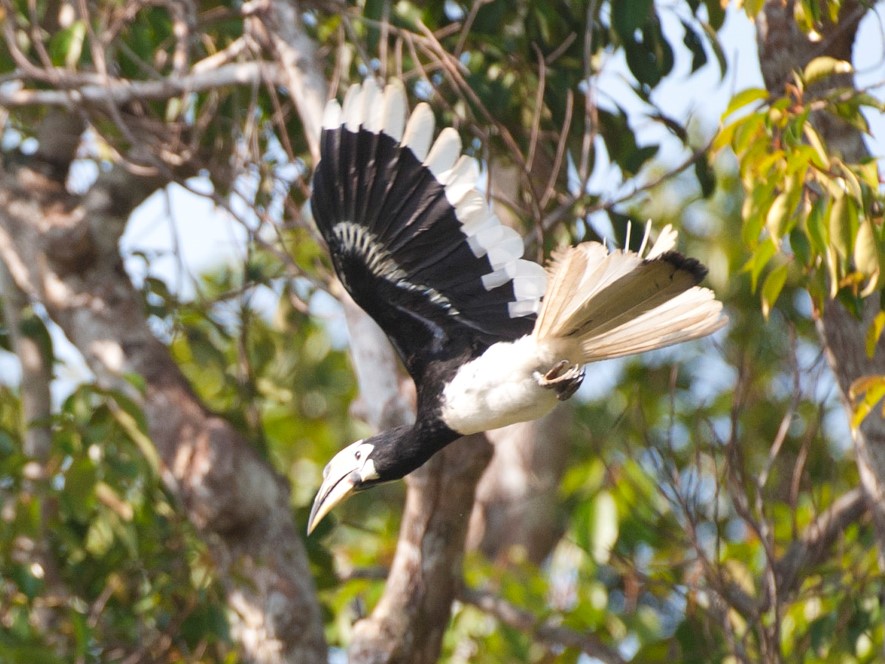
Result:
{"points": [[603, 304]]}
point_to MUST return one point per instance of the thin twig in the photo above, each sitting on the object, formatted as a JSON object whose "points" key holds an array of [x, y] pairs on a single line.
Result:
{"points": [[526, 621]]}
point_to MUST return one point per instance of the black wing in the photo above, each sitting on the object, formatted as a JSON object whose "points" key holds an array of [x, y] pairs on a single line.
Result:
{"points": [[411, 238]]}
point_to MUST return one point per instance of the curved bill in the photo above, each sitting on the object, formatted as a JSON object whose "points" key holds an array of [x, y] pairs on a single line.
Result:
{"points": [[338, 484]]}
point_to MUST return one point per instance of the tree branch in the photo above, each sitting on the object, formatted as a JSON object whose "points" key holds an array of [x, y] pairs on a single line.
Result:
{"points": [[76, 89], [304, 77], [817, 539], [33, 357], [526, 621], [409, 621]]}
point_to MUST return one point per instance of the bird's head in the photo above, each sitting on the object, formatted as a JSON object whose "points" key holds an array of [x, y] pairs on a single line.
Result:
{"points": [[353, 469], [387, 456]]}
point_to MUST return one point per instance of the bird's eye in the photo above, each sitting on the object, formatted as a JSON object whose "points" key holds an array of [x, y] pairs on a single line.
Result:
{"points": [[358, 454]]}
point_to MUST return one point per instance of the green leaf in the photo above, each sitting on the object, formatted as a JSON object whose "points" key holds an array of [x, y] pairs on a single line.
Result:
{"points": [[801, 247], [816, 225], [823, 67], [772, 287], [753, 7], [777, 220], [874, 333], [763, 253], [718, 51], [706, 176], [627, 17], [843, 225], [695, 45], [603, 526], [834, 270], [865, 393], [866, 256], [131, 426], [715, 12], [66, 45], [822, 157], [745, 98]]}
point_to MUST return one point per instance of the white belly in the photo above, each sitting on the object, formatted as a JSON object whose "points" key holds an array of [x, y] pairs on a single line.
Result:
{"points": [[499, 388]]}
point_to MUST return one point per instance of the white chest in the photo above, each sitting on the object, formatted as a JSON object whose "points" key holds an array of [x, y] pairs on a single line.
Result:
{"points": [[498, 388]]}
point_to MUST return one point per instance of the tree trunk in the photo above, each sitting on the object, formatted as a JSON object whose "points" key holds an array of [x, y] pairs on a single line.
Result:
{"points": [[408, 623], [517, 510], [62, 251], [783, 49]]}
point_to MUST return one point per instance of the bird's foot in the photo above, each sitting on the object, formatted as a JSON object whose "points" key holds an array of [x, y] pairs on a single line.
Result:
{"points": [[563, 378]]}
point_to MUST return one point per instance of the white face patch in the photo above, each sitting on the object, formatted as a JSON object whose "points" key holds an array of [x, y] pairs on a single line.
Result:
{"points": [[367, 468], [360, 240], [368, 472]]}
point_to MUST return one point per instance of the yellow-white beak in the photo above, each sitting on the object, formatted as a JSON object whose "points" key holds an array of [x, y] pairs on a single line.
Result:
{"points": [[345, 473], [335, 488]]}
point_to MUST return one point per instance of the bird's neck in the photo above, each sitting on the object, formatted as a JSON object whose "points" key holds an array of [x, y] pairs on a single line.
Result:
{"points": [[417, 443]]}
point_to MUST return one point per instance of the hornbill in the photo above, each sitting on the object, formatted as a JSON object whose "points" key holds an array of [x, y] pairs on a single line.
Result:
{"points": [[489, 338]]}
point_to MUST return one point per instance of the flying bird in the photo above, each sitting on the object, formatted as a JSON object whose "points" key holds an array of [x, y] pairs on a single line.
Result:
{"points": [[489, 338]]}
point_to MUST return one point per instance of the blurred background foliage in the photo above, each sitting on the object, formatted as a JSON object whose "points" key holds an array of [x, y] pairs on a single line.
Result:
{"points": [[691, 470]]}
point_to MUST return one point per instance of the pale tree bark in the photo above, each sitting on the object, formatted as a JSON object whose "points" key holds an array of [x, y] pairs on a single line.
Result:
{"points": [[34, 356], [518, 513], [62, 251], [784, 49], [409, 621], [36, 372]]}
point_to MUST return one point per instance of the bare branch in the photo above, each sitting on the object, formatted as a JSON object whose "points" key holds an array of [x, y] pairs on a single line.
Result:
{"points": [[75, 89], [36, 370], [526, 621], [302, 74], [815, 543], [409, 621]]}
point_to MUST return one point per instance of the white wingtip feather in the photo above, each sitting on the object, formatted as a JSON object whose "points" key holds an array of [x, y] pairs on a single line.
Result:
{"points": [[444, 152], [395, 109], [352, 107], [666, 242], [419, 131], [332, 115], [373, 107]]}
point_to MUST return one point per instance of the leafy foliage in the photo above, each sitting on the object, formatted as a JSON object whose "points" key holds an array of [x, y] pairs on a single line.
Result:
{"points": [[95, 556], [807, 211]]}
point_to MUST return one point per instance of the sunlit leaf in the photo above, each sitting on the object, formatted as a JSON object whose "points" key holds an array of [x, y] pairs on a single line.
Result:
{"points": [[603, 526], [874, 333], [866, 392], [824, 66], [66, 45], [772, 286], [843, 225], [745, 98], [820, 154], [777, 221], [866, 256]]}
